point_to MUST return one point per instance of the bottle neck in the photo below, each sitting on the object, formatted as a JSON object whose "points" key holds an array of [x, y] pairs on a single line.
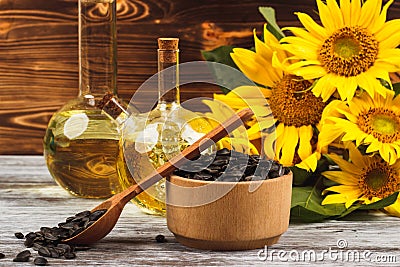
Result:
{"points": [[168, 79], [97, 47]]}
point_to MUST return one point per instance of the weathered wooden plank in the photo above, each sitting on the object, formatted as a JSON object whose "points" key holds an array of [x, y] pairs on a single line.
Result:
{"points": [[26, 205], [39, 53]]}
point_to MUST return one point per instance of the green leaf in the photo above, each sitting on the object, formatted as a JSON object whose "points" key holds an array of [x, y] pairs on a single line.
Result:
{"points": [[269, 15], [303, 177], [349, 210], [396, 88], [300, 176], [221, 55], [306, 204], [301, 214], [381, 203], [222, 74]]}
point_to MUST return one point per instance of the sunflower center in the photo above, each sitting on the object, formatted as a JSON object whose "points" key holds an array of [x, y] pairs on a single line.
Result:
{"points": [[379, 180], [376, 179], [381, 123], [293, 104], [349, 51], [346, 47]]}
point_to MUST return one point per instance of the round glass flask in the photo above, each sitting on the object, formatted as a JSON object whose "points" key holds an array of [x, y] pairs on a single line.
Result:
{"points": [[81, 142]]}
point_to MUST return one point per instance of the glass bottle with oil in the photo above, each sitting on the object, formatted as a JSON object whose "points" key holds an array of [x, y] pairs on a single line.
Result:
{"points": [[81, 142], [148, 140]]}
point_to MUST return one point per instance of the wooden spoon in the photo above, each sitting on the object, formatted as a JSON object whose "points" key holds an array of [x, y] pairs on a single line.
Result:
{"points": [[116, 203]]}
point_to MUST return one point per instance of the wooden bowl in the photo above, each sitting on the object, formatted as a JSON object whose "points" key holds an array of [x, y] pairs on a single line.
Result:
{"points": [[228, 215]]}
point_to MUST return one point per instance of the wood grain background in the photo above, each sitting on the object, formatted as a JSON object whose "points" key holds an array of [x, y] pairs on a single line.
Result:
{"points": [[39, 51]]}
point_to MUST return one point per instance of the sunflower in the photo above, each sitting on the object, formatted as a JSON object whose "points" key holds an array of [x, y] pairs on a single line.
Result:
{"points": [[374, 122], [354, 48], [365, 180], [296, 138]]}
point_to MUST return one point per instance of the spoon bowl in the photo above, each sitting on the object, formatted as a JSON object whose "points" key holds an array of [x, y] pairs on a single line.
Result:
{"points": [[114, 205]]}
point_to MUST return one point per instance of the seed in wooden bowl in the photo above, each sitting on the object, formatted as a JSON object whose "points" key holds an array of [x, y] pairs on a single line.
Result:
{"points": [[231, 166]]}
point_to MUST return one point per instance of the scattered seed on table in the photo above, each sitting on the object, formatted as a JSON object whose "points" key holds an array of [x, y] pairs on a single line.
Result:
{"points": [[2, 255], [23, 256], [70, 255], [160, 239], [40, 261], [23, 259], [19, 235]]}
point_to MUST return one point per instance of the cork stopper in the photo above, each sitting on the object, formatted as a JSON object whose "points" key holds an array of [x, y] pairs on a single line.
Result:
{"points": [[168, 43], [168, 50]]}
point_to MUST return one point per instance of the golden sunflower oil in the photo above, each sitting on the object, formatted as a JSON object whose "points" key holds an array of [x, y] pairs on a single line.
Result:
{"points": [[81, 148]]}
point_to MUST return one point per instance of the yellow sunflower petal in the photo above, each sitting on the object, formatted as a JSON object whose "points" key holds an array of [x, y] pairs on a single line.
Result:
{"points": [[380, 21], [312, 26], [390, 54], [254, 67], [301, 64], [345, 166], [328, 134], [346, 11], [344, 189], [310, 163], [323, 87], [388, 66], [269, 146], [326, 18], [356, 158], [254, 131], [334, 199], [302, 44], [341, 177], [346, 86], [389, 35], [350, 202], [369, 84], [305, 135], [394, 209], [310, 72], [355, 12], [291, 138], [299, 32], [262, 49], [336, 13], [369, 10], [248, 92], [374, 146], [280, 130]]}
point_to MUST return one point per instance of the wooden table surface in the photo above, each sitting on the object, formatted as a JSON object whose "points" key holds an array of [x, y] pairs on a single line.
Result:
{"points": [[30, 199]]}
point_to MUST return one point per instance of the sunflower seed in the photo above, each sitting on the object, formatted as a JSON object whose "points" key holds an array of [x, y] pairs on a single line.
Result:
{"points": [[19, 235], [40, 261]]}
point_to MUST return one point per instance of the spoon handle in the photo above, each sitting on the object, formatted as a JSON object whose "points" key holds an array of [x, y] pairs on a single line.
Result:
{"points": [[188, 153]]}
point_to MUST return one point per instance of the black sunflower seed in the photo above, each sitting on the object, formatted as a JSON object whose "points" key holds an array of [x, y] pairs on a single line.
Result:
{"points": [[160, 239], [44, 251], [19, 235], [69, 255], [40, 261], [21, 259]]}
